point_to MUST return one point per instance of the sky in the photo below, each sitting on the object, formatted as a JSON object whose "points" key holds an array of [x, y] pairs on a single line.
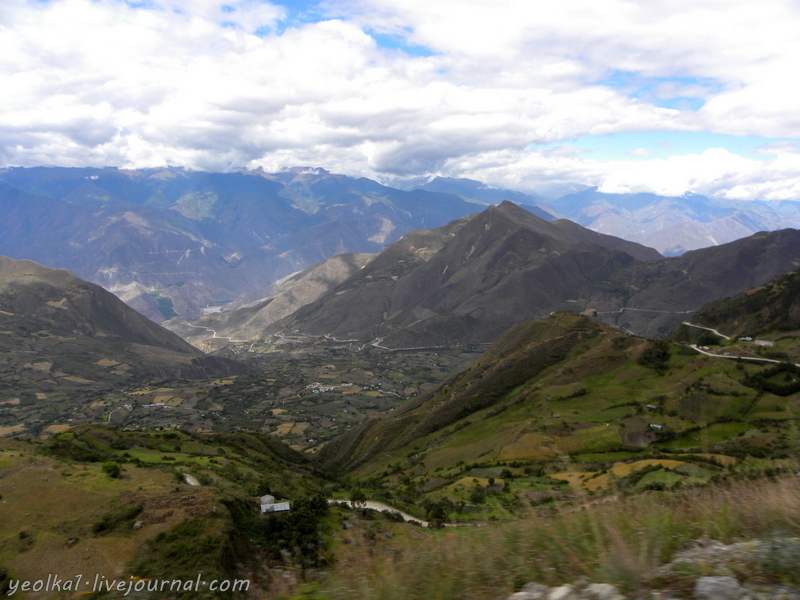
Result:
{"points": [[669, 97]]}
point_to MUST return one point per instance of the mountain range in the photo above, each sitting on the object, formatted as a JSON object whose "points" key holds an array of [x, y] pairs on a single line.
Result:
{"points": [[557, 407], [670, 224], [673, 225], [170, 242], [467, 282]]}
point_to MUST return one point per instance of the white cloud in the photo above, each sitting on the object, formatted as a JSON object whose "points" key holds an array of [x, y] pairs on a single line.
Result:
{"points": [[207, 83], [714, 172]]}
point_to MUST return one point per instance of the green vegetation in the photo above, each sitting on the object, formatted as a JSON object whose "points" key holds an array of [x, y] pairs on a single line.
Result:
{"points": [[295, 537], [107, 492], [781, 380], [192, 546], [112, 469], [165, 306], [656, 356], [118, 518], [563, 439]]}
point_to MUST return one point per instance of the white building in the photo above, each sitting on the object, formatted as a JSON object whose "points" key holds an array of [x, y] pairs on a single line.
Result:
{"points": [[269, 505]]}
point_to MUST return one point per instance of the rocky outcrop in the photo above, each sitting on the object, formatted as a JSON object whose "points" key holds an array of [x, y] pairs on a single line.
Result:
{"points": [[747, 570], [705, 588]]}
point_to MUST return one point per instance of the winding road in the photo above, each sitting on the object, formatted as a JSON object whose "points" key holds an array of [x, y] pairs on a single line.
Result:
{"points": [[722, 335], [753, 359], [379, 506]]}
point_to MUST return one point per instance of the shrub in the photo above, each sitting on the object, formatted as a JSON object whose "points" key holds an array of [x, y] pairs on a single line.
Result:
{"points": [[112, 469], [656, 356]]}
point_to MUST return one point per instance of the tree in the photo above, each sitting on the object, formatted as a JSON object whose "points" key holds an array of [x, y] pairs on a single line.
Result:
{"points": [[358, 498], [656, 357], [478, 495], [438, 511]]}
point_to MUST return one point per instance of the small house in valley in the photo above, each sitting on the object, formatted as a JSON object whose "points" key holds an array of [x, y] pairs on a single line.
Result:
{"points": [[270, 505]]}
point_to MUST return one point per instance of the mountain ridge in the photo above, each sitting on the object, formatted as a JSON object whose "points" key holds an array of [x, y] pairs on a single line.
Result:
{"points": [[672, 225], [60, 318], [172, 241], [198, 238], [504, 266], [457, 288]]}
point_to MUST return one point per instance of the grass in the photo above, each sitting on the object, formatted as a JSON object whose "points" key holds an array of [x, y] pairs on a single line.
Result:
{"points": [[602, 456], [598, 438], [620, 543], [611, 414], [623, 469], [51, 502]]}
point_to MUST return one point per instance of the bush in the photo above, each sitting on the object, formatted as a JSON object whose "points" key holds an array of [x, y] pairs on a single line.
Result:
{"points": [[708, 338], [112, 469], [656, 356]]}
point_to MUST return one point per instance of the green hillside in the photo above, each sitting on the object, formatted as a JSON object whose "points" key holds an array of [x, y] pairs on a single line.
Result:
{"points": [[567, 445], [567, 403], [118, 504], [773, 307]]}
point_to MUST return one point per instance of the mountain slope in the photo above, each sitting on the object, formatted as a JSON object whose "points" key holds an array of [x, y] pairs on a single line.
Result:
{"points": [[518, 356], [249, 322], [567, 389], [71, 306], [773, 307], [51, 316], [192, 239], [651, 299], [116, 245], [672, 225], [468, 281], [138, 516]]}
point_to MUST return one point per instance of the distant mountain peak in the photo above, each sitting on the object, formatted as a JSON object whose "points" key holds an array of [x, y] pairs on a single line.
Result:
{"points": [[308, 170]]}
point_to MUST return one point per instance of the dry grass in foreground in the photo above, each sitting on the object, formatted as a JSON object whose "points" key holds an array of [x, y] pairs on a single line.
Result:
{"points": [[620, 543]]}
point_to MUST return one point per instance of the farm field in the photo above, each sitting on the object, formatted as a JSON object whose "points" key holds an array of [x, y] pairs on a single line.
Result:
{"points": [[304, 397]]}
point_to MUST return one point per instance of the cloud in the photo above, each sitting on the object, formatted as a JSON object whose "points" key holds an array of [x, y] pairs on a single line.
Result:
{"points": [[640, 152], [714, 172], [500, 91]]}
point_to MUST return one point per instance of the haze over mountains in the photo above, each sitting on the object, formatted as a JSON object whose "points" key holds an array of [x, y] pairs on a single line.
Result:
{"points": [[677, 224], [671, 225], [170, 241]]}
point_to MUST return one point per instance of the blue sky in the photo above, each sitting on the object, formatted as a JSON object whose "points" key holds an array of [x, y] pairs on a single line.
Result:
{"points": [[627, 95], [677, 92]]}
